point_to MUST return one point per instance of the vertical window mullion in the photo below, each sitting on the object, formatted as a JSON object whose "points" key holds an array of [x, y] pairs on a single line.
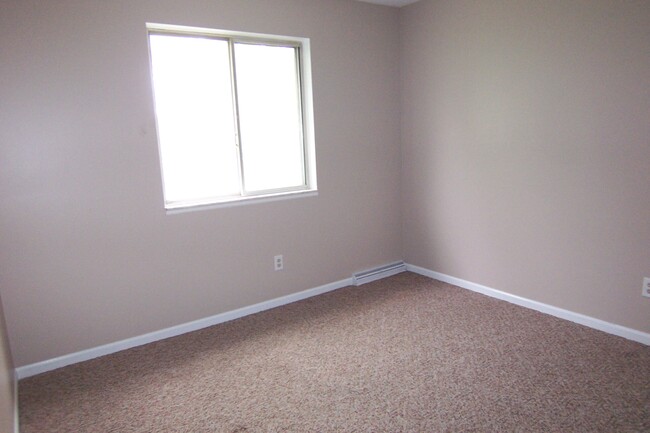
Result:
{"points": [[235, 102]]}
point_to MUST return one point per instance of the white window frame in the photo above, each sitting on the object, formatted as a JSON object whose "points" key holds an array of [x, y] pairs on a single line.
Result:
{"points": [[303, 53]]}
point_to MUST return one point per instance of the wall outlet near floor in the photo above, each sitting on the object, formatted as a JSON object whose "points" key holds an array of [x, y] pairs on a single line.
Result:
{"points": [[278, 262], [646, 287]]}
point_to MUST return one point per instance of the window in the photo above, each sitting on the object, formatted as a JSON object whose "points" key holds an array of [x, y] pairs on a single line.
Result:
{"points": [[234, 115]]}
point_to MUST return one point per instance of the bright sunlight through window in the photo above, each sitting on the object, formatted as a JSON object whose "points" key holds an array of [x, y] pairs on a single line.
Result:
{"points": [[233, 113]]}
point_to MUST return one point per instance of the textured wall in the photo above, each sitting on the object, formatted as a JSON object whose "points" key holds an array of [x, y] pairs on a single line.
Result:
{"points": [[526, 149], [88, 255]]}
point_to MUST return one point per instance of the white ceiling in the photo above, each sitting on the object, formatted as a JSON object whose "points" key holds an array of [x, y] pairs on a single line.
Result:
{"points": [[395, 3]]}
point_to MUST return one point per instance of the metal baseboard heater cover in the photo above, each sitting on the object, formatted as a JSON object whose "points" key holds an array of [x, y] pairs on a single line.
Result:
{"points": [[378, 273]]}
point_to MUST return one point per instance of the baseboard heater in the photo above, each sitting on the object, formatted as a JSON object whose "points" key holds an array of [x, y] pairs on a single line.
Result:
{"points": [[378, 273]]}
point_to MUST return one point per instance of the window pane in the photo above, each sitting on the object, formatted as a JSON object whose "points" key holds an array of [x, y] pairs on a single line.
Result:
{"points": [[269, 116], [194, 109]]}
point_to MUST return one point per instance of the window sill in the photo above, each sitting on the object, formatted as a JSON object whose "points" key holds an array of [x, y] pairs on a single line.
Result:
{"points": [[238, 201]]}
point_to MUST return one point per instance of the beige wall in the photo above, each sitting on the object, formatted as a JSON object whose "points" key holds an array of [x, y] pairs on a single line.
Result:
{"points": [[88, 255], [6, 381], [526, 149]]}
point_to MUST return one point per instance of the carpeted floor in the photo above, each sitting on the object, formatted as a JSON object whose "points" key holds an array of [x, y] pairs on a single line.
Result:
{"points": [[404, 354]]}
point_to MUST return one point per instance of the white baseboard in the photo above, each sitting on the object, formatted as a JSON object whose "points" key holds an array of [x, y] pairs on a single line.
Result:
{"points": [[84, 355], [378, 273], [372, 275], [591, 322]]}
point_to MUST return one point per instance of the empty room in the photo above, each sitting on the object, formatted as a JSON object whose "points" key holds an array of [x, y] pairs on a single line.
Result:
{"points": [[324, 216]]}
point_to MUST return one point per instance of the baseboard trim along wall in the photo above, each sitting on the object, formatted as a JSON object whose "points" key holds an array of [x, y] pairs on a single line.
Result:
{"points": [[85, 355], [357, 279], [591, 322]]}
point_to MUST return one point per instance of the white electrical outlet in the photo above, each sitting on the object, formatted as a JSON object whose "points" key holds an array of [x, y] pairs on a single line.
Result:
{"points": [[646, 287], [278, 263]]}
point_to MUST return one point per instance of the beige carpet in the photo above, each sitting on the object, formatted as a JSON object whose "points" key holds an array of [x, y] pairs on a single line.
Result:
{"points": [[405, 354]]}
